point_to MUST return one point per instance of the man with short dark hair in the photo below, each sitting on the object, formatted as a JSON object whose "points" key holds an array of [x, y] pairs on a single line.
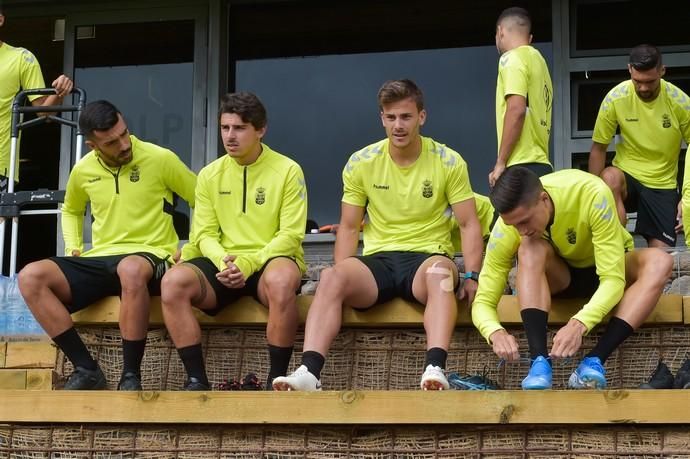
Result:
{"points": [[407, 184], [653, 117], [569, 243], [19, 70], [129, 184], [524, 97], [247, 232]]}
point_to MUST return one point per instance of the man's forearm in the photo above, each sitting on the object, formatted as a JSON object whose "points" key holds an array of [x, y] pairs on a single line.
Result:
{"points": [[513, 121]]}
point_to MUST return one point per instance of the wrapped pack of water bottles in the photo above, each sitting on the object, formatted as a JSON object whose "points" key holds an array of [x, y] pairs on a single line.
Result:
{"points": [[16, 320]]}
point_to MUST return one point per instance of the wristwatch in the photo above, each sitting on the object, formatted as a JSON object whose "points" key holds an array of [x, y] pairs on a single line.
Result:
{"points": [[474, 275]]}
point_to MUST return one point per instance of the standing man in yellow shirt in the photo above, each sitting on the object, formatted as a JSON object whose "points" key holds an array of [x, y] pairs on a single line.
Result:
{"points": [[569, 244], [653, 116], [247, 232], [407, 184], [19, 70], [524, 96]]}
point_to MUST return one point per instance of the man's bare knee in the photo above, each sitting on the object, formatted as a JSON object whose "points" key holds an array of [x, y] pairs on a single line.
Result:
{"points": [[134, 273], [439, 273], [33, 278], [332, 279], [532, 254], [178, 283], [614, 178]]}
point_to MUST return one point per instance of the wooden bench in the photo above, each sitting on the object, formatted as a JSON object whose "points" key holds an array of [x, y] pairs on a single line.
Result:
{"points": [[396, 313]]}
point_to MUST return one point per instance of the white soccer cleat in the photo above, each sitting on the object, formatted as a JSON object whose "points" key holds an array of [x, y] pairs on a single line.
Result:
{"points": [[434, 379], [301, 380]]}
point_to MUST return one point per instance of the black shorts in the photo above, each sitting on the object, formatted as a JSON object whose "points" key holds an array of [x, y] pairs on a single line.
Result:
{"points": [[656, 210], [583, 283], [93, 278], [394, 273], [540, 169], [225, 296]]}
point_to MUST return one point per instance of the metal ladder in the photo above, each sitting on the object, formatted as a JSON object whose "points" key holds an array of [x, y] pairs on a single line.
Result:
{"points": [[12, 203]]}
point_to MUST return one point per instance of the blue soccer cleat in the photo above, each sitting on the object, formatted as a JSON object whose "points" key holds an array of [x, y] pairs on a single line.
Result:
{"points": [[590, 374], [540, 375]]}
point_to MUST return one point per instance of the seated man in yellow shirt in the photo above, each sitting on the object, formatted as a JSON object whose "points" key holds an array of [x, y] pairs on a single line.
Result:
{"points": [[569, 243], [653, 117], [407, 184], [247, 232], [129, 185]]}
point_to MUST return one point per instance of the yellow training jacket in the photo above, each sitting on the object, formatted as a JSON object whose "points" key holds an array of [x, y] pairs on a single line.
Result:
{"points": [[131, 205], [255, 212], [585, 232]]}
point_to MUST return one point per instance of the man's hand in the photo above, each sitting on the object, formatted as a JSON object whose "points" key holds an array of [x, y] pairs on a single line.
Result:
{"points": [[231, 277], [505, 345], [468, 290], [499, 168], [568, 339], [679, 218], [76, 253], [63, 86], [176, 256]]}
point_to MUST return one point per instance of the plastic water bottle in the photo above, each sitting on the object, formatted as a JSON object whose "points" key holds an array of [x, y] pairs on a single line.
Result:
{"points": [[16, 320]]}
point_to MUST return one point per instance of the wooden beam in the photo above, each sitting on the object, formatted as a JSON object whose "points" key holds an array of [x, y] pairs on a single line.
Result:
{"points": [[40, 379], [31, 379], [395, 313], [349, 407], [38, 354], [686, 310]]}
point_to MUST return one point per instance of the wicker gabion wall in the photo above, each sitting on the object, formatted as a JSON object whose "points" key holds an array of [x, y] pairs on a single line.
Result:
{"points": [[358, 442], [364, 359]]}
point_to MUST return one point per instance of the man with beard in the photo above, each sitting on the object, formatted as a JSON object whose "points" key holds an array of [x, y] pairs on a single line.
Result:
{"points": [[129, 184], [653, 117]]}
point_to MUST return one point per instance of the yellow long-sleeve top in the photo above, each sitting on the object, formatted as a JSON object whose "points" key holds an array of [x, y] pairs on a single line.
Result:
{"points": [[131, 205], [585, 232], [255, 212]]}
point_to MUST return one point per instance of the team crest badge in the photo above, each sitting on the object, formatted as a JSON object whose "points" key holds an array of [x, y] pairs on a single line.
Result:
{"points": [[666, 121], [427, 190], [260, 196], [134, 175], [571, 235]]}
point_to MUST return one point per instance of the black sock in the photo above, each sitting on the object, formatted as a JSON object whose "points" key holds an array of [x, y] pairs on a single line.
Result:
{"points": [[616, 332], [132, 353], [535, 322], [314, 362], [193, 360], [74, 348], [279, 358], [436, 357]]}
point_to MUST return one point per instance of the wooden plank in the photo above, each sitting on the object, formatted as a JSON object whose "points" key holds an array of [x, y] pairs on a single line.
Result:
{"points": [[12, 379], [349, 407], [30, 355], [686, 310], [39, 379], [3, 352], [395, 313]]}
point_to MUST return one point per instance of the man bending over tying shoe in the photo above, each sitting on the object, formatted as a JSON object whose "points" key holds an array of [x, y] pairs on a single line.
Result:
{"points": [[569, 243]]}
